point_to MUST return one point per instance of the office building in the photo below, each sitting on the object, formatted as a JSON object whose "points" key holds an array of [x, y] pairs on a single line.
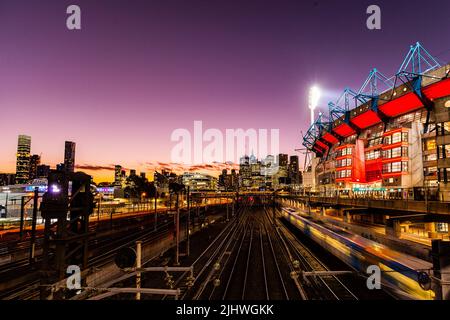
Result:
{"points": [[42, 171], [69, 156], [35, 161], [23, 159]]}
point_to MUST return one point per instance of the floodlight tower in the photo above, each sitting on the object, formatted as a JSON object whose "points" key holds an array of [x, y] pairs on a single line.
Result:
{"points": [[314, 96]]}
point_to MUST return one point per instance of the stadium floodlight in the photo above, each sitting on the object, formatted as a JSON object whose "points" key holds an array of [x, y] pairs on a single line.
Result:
{"points": [[314, 96]]}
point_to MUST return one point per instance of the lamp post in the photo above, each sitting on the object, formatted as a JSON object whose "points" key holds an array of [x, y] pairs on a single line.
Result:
{"points": [[156, 210], [7, 191], [314, 96]]}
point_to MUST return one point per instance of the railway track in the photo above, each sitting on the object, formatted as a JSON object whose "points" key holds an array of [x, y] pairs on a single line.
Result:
{"points": [[239, 269], [318, 287], [102, 251]]}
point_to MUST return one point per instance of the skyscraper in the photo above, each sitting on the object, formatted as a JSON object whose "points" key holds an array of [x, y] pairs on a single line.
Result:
{"points": [[42, 171], [294, 171], [69, 156], [35, 161], [117, 175], [23, 159], [282, 160]]}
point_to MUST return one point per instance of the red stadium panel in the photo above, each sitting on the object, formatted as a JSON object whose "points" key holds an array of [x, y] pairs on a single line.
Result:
{"points": [[438, 90], [404, 104], [366, 119], [392, 174], [318, 150], [344, 130], [330, 138], [359, 165], [321, 144]]}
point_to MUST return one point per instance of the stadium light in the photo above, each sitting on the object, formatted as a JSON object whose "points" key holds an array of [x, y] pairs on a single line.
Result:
{"points": [[314, 97]]}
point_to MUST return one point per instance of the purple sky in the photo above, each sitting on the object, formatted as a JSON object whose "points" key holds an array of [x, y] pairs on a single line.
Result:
{"points": [[140, 69]]}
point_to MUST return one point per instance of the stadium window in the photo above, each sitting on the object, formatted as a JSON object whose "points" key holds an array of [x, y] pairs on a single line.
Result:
{"points": [[405, 136], [431, 144], [405, 166], [396, 137], [396, 152], [396, 167]]}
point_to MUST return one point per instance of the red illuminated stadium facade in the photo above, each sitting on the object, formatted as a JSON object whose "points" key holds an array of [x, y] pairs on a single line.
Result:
{"points": [[397, 141]]}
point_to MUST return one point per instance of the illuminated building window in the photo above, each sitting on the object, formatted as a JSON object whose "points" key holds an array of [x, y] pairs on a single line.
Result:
{"points": [[443, 128], [400, 166], [375, 142], [444, 151], [430, 171], [447, 104], [396, 137], [431, 157], [396, 152], [404, 166], [431, 144], [373, 154], [345, 162], [444, 175], [442, 227], [396, 167]]}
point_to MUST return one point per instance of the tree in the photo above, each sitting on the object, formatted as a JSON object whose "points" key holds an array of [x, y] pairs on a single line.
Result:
{"points": [[136, 187]]}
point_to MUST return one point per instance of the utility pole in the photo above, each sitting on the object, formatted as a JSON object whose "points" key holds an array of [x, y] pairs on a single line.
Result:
{"points": [[6, 203], [99, 205], [138, 266], [22, 216], [177, 228], [188, 224], [156, 211], [33, 225], [227, 210], [273, 208]]}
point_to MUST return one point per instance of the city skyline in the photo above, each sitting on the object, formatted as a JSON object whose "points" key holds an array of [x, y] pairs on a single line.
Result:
{"points": [[28, 165], [165, 77], [257, 154]]}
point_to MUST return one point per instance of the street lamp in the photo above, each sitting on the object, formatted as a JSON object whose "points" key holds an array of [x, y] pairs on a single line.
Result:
{"points": [[7, 191], [314, 97]]}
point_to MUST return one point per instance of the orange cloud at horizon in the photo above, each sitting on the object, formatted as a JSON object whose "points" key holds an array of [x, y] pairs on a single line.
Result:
{"points": [[106, 173]]}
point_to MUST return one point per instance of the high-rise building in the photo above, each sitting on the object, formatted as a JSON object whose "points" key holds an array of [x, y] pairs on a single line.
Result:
{"points": [[7, 179], [294, 172], [42, 171], [222, 180], [199, 182], [282, 160], [23, 159], [142, 174], [132, 172], [69, 156], [60, 167], [280, 177], [35, 161], [117, 175], [245, 172]]}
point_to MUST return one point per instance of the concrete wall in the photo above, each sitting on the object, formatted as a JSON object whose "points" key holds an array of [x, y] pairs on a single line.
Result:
{"points": [[416, 156]]}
